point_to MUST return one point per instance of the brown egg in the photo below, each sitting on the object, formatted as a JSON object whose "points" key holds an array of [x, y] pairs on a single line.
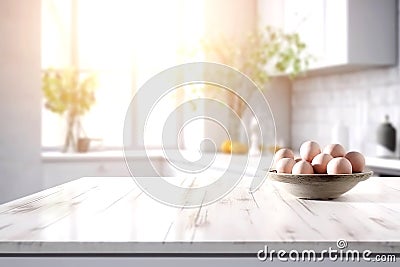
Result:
{"points": [[302, 167], [297, 159], [285, 165], [320, 162], [339, 165], [283, 153], [357, 161], [335, 150], [309, 150]]}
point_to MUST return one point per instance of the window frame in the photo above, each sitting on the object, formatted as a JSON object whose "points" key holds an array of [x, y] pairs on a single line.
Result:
{"points": [[74, 62]]}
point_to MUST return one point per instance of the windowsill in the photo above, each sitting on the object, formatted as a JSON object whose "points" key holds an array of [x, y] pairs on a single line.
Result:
{"points": [[105, 155]]}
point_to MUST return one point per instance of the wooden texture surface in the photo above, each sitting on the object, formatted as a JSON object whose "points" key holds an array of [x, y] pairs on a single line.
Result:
{"points": [[113, 214]]}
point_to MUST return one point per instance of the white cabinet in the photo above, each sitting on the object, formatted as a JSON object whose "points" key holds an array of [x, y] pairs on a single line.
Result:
{"points": [[340, 34]]}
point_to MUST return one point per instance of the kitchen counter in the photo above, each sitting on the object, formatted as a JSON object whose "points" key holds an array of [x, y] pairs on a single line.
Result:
{"points": [[372, 162], [59, 168], [386, 166], [112, 215]]}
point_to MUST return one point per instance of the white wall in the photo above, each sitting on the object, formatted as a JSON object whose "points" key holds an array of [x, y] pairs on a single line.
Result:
{"points": [[230, 19], [278, 94], [20, 98]]}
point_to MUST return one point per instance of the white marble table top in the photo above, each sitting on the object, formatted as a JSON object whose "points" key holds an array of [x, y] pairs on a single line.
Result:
{"points": [[111, 214]]}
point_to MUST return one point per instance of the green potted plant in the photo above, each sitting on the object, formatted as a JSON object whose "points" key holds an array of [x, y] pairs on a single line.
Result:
{"points": [[70, 93], [260, 55]]}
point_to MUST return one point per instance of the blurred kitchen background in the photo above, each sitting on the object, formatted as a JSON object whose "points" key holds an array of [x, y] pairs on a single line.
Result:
{"points": [[349, 89]]}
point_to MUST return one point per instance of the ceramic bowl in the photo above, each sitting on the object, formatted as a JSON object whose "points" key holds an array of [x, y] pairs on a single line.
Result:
{"points": [[318, 186]]}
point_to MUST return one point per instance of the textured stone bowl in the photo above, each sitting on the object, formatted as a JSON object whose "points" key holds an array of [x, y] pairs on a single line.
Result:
{"points": [[318, 186]]}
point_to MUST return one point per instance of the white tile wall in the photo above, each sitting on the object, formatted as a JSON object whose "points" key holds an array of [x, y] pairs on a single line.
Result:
{"points": [[359, 99]]}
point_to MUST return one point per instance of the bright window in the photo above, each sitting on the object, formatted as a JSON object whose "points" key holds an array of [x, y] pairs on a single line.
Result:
{"points": [[126, 42]]}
